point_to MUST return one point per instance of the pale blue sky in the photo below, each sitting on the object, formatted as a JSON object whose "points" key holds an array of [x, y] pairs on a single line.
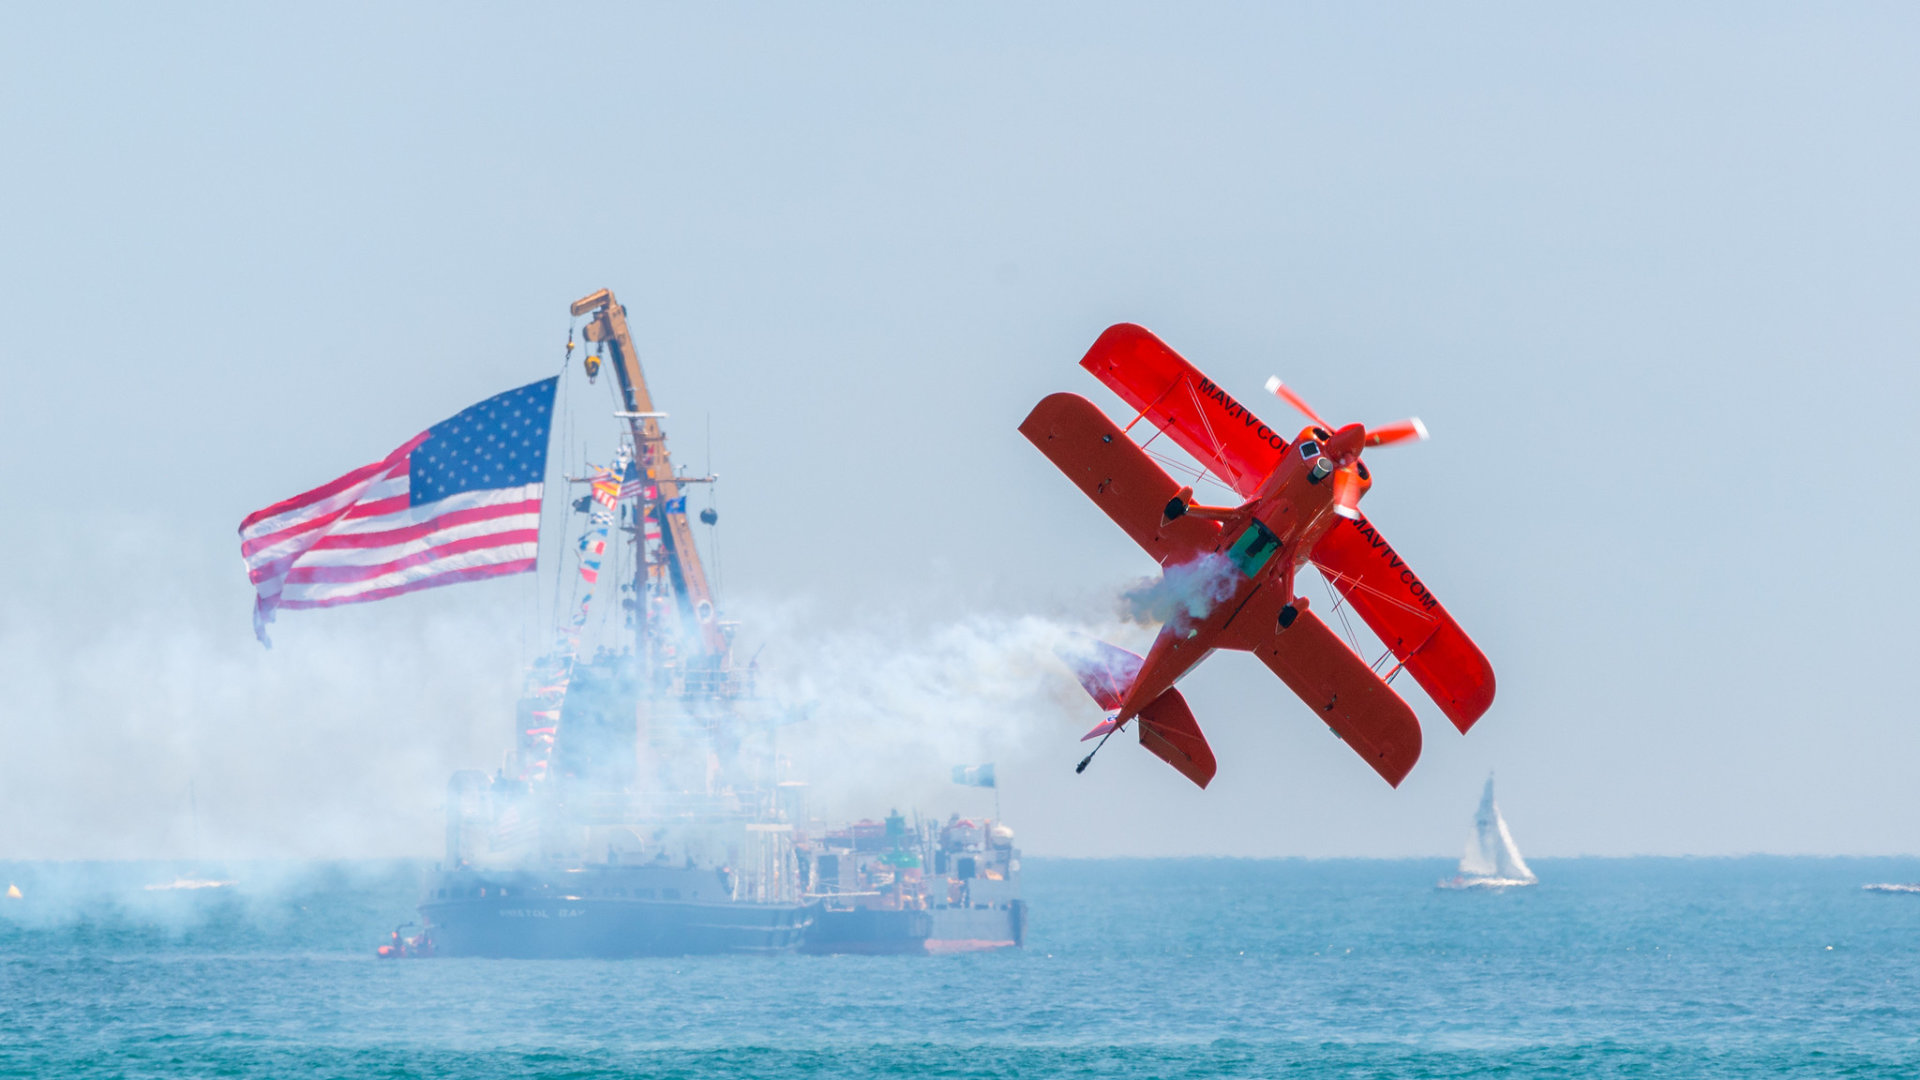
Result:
{"points": [[1649, 274]]}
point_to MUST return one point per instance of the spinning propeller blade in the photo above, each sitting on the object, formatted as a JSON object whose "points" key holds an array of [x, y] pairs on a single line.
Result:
{"points": [[1398, 431], [1285, 393]]}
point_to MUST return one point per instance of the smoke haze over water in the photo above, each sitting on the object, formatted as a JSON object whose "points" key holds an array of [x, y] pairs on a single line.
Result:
{"points": [[163, 730], [160, 704], [894, 706]]}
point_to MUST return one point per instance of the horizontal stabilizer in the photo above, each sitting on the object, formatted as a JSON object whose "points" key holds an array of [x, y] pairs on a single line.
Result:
{"points": [[1099, 729], [1105, 670], [1169, 731]]}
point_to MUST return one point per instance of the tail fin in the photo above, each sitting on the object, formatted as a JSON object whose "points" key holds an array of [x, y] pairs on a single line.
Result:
{"points": [[1105, 670], [1168, 729]]}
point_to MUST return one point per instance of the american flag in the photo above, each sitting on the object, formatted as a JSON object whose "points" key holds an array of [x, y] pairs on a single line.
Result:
{"points": [[458, 502]]}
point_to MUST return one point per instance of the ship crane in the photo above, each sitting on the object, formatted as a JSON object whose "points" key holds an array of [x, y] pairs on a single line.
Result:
{"points": [[709, 671]]}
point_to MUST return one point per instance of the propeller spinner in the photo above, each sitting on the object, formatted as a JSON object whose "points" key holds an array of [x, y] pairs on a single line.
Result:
{"points": [[1350, 478]]}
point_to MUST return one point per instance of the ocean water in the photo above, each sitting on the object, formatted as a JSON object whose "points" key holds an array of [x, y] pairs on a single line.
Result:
{"points": [[1150, 968]]}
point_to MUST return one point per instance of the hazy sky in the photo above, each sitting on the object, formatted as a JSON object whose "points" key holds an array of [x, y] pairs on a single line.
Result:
{"points": [[1649, 275]]}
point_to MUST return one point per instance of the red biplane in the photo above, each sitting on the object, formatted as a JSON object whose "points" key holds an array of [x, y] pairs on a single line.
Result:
{"points": [[1239, 563]]}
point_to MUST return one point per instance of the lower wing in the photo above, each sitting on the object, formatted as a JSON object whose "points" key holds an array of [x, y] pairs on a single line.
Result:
{"points": [[1339, 686], [1117, 475]]}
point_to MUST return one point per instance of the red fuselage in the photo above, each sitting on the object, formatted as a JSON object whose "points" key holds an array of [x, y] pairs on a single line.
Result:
{"points": [[1264, 541]]}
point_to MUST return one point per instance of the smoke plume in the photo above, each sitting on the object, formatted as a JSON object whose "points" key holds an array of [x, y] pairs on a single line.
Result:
{"points": [[1184, 594]]}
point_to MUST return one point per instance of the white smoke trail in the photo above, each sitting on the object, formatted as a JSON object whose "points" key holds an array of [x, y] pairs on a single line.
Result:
{"points": [[893, 708], [339, 742], [335, 744], [1185, 593]]}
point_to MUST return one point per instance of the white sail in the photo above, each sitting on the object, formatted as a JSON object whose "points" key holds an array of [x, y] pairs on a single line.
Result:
{"points": [[1490, 851]]}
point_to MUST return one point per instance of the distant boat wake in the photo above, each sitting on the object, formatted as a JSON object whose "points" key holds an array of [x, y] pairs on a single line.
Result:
{"points": [[188, 883], [1492, 861], [1893, 886]]}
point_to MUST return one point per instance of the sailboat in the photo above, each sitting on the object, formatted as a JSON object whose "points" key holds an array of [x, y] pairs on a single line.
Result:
{"points": [[1491, 861], [190, 880]]}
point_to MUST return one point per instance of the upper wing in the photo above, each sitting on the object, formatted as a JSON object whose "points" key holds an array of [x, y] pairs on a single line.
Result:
{"points": [[1117, 475], [1399, 608], [1330, 677], [1203, 419]]}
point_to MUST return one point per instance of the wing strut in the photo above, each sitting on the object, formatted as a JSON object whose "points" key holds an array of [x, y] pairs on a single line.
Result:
{"points": [[1149, 406]]}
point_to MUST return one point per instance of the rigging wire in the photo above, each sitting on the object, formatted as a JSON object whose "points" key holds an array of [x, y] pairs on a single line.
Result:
{"points": [[1340, 608], [1200, 476], [713, 527], [563, 407]]}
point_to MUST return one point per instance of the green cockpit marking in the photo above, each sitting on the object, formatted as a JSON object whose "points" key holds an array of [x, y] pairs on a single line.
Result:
{"points": [[1255, 547]]}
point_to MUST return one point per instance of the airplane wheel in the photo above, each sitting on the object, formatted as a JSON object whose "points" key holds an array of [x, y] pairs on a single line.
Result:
{"points": [[1287, 615], [1175, 509]]}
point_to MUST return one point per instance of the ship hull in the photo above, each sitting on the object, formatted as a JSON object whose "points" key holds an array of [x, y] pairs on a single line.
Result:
{"points": [[602, 914], [940, 930], [972, 929]]}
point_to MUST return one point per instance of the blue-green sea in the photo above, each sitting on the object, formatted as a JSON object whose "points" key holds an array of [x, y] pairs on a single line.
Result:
{"points": [[1151, 968]]}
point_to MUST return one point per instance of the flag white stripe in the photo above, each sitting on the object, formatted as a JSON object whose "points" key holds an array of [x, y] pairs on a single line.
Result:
{"points": [[374, 556], [351, 494], [395, 519], [414, 515], [300, 541], [317, 592], [387, 488]]}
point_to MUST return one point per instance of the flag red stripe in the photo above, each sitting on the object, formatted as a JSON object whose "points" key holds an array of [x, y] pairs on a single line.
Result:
{"points": [[416, 531], [451, 577], [272, 570], [376, 507], [447, 522], [333, 487], [318, 521], [340, 575]]}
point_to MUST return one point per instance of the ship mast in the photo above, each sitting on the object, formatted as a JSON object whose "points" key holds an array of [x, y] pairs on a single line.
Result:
{"points": [[679, 560]]}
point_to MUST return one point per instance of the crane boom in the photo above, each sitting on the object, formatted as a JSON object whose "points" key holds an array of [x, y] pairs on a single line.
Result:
{"points": [[607, 324]]}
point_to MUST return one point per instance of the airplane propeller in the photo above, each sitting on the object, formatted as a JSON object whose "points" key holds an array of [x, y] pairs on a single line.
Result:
{"points": [[1410, 429], [1285, 393], [1350, 476]]}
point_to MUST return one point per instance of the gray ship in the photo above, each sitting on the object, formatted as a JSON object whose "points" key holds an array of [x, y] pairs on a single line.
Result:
{"points": [[641, 810], [637, 813]]}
